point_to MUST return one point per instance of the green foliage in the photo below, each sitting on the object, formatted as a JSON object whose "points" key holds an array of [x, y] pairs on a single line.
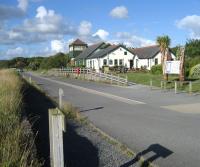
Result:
{"points": [[57, 61], [189, 63], [156, 69], [192, 48], [16, 138], [34, 63], [176, 51], [163, 41], [195, 71]]}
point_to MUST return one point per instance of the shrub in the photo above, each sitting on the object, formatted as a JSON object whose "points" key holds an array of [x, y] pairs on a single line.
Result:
{"points": [[195, 71], [156, 69]]}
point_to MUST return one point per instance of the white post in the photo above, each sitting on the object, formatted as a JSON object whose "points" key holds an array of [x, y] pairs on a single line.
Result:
{"points": [[61, 94], [161, 84], [56, 128], [111, 79], [118, 79], [151, 83], [190, 87], [126, 79], [175, 87]]}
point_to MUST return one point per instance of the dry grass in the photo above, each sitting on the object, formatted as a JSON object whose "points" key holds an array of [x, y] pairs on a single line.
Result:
{"points": [[16, 138]]}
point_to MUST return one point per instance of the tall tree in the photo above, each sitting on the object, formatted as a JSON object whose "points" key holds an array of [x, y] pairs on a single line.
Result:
{"points": [[164, 43]]}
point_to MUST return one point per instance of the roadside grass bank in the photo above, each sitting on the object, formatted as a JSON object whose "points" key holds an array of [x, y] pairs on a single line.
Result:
{"points": [[17, 148], [145, 78]]}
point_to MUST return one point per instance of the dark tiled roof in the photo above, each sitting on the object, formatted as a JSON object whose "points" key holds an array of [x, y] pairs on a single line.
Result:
{"points": [[88, 51], [78, 42], [146, 52], [105, 51]]}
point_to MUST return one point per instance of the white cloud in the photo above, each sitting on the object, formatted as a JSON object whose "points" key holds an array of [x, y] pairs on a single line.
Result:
{"points": [[85, 28], [58, 46], [18, 51], [119, 12], [192, 24], [23, 4], [102, 34], [131, 40]]}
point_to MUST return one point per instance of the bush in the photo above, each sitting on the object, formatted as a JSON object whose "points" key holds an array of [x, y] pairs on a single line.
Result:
{"points": [[195, 71], [156, 69]]}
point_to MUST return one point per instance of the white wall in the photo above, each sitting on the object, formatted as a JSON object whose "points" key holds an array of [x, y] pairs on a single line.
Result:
{"points": [[117, 54], [144, 62]]}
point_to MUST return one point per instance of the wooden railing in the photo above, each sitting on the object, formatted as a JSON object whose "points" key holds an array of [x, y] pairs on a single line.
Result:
{"points": [[101, 76]]}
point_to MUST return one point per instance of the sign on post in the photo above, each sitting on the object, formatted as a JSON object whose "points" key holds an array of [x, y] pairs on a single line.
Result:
{"points": [[61, 94], [172, 67]]}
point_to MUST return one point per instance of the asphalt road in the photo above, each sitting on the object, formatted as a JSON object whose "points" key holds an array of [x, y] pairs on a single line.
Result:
{"points": [[162, 126]]}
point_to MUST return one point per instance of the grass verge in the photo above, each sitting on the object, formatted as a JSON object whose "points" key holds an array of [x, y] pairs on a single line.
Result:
{"points": [[17, 148]]}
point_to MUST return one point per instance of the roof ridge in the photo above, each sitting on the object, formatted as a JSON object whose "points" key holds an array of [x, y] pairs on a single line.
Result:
{"points": [[151, 46]]}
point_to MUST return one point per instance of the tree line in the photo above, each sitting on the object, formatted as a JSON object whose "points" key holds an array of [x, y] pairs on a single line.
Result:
{"points": [[34, 63]]}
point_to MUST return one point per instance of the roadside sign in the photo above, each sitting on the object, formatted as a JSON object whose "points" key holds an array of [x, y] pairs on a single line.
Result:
{"points": [[172, 67]]}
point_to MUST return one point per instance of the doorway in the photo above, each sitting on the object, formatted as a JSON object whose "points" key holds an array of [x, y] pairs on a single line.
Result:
{"points": [[131, 64]]}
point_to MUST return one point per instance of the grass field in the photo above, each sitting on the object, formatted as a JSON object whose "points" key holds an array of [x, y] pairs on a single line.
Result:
{"points": [[16, 137], [145, 78]]}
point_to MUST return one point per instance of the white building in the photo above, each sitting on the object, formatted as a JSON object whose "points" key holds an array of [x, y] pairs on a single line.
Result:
{"points": [[146, 57], [113, 55]]}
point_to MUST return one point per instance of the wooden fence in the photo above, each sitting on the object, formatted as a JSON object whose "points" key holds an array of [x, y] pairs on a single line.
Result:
{"points": [[92, 75]]}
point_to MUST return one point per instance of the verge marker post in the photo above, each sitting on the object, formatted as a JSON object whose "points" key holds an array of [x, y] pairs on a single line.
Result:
{"points": [[151, 84], [161, 84], [61, 94], [118, 79], [190, 87], [175, 87], [126, 80], [111, 79]]}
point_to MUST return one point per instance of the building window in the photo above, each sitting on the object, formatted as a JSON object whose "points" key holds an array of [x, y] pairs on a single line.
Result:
{"points": [[156, 61], [104, 62], [90, 63], [125, 53], [120, 62], [116, 62], [110, 62]]}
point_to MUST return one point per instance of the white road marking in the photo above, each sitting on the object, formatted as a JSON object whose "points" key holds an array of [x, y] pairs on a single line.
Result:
{"points": [[92, 91]]}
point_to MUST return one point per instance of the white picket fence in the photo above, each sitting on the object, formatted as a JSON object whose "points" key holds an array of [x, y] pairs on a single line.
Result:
{"points": [[97, 75]]}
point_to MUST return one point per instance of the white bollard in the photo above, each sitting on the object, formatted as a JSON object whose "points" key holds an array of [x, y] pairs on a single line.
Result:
{"points": [[61, 94], [175, 87], [190, 87], [151, 84]]}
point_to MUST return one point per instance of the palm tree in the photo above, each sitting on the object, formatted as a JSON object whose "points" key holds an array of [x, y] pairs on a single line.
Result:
{"points": [[164, 43]]}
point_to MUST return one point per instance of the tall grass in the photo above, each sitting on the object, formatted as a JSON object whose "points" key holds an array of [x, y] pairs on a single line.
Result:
{"points": [[17, 147]]}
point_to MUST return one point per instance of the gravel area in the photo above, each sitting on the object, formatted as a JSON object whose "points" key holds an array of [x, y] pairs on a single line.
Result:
{"points": [[87, 147]]}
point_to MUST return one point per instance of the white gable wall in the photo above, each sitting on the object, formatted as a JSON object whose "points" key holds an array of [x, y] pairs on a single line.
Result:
{"points": [[117, 55], [148, 63]]}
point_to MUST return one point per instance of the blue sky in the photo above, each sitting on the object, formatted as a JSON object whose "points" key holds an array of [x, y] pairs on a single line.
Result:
{"points": [[44, 27]]}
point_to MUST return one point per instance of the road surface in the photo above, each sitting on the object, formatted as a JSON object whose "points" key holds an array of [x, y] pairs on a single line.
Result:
{"points": [[164, 127]]}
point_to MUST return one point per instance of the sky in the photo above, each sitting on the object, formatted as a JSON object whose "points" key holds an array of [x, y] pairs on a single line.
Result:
{"points": [[44, 27]]}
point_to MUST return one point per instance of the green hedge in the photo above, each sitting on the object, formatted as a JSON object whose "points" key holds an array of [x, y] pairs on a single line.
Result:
{"points": [[156, 69]]}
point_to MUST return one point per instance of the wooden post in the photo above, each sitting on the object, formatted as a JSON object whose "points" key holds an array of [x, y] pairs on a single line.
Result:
{"points": [[126, 80], [61, 93], [56, 128], [175, 87], [118, 79], [151, 83], [190, 87]]}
